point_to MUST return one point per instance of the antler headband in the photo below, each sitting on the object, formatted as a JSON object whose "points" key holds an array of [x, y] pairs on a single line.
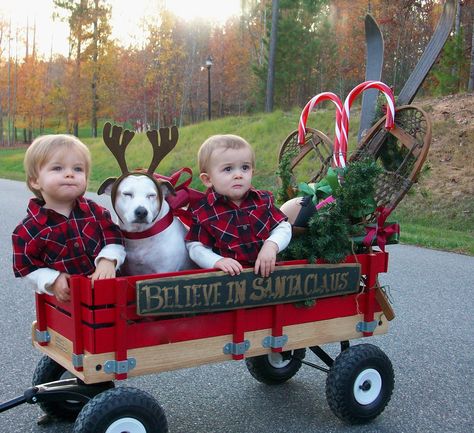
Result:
{"points": [[117, 143], [117, 139]]}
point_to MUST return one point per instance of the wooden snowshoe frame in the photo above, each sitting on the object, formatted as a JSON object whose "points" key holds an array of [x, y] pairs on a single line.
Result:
{"points": [[401, 152]]}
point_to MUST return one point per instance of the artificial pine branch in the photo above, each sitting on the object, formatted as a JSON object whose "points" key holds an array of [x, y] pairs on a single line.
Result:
{"points": [[287, 187], [330, 229]]}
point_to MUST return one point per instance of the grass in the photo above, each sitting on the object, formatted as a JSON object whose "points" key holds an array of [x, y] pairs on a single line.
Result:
{"points": [[430, 220], [424, 220], [432, 237]]}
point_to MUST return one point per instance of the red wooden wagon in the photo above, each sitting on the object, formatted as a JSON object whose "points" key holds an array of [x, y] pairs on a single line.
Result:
{"points": [[99, 337]]}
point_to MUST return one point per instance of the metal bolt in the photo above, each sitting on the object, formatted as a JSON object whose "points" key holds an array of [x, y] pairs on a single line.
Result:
{"points": [[365, 386]]}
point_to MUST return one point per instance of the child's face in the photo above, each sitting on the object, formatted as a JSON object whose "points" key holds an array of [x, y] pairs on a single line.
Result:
{"points": [[62, 179], [230, 173]]}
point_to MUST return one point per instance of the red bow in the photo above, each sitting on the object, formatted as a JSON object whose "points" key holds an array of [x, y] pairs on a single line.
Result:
{"points": [[184, 195], [380, 231]]}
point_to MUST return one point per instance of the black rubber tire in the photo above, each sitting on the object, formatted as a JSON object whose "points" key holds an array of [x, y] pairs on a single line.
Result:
{"points": [[266, 368], [360, 384], [121, 406], [48, 370]]}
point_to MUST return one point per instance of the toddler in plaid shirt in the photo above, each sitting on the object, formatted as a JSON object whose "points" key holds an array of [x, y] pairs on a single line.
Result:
{"points": [[234, 224], [63, 232]]}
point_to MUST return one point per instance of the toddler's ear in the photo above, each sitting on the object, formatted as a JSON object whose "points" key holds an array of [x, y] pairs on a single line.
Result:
{"points": [[205, 179], [33, 183]]}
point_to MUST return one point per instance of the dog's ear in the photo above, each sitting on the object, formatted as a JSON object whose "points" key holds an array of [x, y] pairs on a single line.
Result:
{"points": [[166, 187], [106, 187]]}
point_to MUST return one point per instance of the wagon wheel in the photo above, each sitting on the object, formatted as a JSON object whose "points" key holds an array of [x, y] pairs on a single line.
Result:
{"points": [[120, 410], [360, 384], [401, 152], [48, 370], [276, 367], [318, 150]]}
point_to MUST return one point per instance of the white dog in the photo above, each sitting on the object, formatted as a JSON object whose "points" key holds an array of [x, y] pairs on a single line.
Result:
{"points": [[154, 238]]}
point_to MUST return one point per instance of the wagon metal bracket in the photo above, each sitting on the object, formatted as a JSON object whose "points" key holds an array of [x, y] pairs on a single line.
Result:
{"points": [[366, 326], [77, 360], [275, 342], [42, 336], [236, 348], [120, 367]]}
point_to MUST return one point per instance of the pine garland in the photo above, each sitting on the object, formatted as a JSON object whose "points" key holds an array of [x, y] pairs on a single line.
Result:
{"points": [[286, 190], [330, 229]]}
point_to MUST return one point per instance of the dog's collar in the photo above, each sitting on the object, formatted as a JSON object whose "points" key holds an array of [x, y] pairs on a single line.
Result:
{"points": [[156, 228]]}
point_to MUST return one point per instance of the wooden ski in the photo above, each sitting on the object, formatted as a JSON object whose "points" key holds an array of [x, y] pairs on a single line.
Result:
{"points": [[429, 56], [373, 71], [427, 59]]}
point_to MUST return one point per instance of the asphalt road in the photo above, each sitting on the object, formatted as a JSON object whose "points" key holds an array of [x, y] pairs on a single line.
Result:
{"points": [[430, 343]]}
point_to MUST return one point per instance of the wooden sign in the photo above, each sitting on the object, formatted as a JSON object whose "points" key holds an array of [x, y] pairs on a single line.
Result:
{"points": [[218, 291]]}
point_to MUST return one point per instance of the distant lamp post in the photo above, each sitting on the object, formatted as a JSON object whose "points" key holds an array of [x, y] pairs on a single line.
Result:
{"points": [[208, 66]]}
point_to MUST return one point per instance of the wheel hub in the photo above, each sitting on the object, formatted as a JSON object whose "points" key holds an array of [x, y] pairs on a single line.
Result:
{"points": [[276, 360], [126, 425], [367, 386]]}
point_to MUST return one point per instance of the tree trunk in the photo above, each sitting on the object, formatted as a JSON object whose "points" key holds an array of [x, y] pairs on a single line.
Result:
{"points": [[457, 29], [9, 87], [470, 86], [271, 59], [2, 140], [76, 90], [95, 55]]}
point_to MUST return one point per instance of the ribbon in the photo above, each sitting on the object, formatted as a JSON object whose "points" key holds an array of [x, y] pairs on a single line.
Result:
{"points": [[380, 231], [184, 195], [324, 202]]}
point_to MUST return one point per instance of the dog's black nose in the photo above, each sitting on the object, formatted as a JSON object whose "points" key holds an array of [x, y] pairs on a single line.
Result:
{"points": [[141, 213]]}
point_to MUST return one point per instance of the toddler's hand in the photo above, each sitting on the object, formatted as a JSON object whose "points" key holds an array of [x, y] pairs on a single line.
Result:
{"points": [[105, 269], [231, 266], [266, 259], [60, 288]]}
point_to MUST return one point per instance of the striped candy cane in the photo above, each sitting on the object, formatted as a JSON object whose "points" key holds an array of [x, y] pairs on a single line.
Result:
{"points": [[325, 96], [356, 91]]}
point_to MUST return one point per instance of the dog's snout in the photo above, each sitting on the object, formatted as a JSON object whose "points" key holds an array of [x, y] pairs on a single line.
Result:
{"points": [[141, 213]]}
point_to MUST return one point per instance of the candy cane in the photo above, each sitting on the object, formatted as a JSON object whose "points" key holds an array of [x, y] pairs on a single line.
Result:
{"points": [[346, 113], [325, 96]]}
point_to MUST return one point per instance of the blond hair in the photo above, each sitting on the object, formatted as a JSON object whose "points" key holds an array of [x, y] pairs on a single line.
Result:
{"points": [[43, 148], [225, 141]]}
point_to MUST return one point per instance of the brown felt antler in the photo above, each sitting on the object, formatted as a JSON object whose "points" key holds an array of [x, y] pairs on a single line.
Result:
{"points": [[161, 147], [117, 146]]}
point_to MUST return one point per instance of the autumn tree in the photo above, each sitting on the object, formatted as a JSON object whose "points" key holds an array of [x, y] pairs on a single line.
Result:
{"points": [[407, 27], [89, 29], [304, 36], [126, 93], [198, 46], [232, 76], [320, 47], [164, 76]]}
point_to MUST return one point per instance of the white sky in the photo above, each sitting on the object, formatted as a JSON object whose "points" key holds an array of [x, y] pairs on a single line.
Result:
{"points": [[127, 18]]}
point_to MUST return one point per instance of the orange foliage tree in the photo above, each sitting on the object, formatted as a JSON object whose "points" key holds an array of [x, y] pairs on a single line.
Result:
{"points": [[321, 47]]}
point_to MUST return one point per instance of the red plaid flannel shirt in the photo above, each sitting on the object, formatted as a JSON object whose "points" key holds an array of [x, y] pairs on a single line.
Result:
{"points": [[47, 239], [235, 231]]}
